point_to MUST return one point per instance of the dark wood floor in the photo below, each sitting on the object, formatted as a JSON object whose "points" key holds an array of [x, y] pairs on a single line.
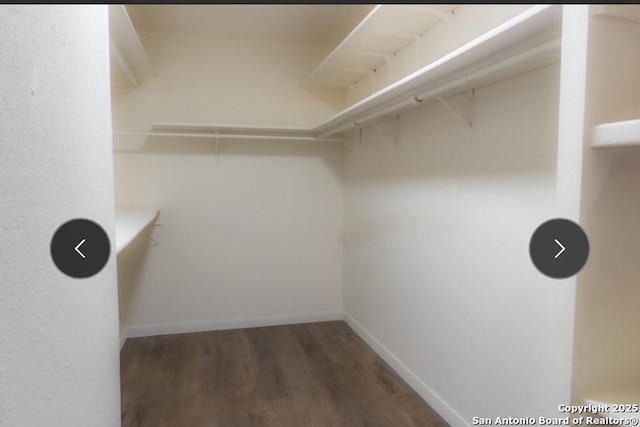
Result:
{"points": [[317, 374]]}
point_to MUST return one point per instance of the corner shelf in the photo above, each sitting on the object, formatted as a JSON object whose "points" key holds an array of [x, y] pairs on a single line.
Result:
{"points": [[382, 33], [130, 222], [503, 52], [127, 52], [616, 134], [174, 126], [221, 131], [526, 42]]}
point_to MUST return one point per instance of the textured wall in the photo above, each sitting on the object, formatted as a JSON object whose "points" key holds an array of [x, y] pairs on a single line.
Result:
{"points": [[437, 267], [58, 335], [252, 231]]}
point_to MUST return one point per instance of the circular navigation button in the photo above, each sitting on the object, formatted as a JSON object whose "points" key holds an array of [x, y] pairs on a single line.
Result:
{"points": [[80, 248], [559, 248]]}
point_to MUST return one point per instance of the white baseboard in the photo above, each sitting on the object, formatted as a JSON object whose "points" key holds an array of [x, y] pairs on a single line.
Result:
{"points": [[219, 325], [435, 401]]}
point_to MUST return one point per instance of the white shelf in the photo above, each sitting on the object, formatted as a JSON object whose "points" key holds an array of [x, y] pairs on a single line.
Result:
{"points": [[455, 70], [381, 34], [629, 395], [521, 44], [174, 126], [130, 222], [128, 55], [616, 134], [220, 131]]}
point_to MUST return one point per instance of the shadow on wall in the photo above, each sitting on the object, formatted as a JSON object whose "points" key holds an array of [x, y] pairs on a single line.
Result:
{"points": [[513, 132], [441, 171], [186, 146]]}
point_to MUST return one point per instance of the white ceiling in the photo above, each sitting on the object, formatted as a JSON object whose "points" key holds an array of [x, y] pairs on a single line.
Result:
{"points": [[321, 24]]}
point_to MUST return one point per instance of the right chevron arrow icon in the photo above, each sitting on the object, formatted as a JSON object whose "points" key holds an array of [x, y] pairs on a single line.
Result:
{"points": [[561, 246]]}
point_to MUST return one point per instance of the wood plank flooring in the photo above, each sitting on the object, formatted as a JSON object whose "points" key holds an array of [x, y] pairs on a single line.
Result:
{"points": [[316, 374]]}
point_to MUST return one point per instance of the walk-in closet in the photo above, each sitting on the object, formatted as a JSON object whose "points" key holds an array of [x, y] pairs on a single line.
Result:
{"points": [[319, 215]]}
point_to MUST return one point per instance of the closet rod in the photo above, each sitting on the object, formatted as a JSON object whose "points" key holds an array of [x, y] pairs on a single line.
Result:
{"points": [[496, 68], [471, 78], [233, 136], [216, 127]]}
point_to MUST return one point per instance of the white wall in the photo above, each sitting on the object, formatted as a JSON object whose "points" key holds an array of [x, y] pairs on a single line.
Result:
{"points": [[251, 232], [607, 348], [436, 229], [437, 268], [225, 80], [59, 361]]}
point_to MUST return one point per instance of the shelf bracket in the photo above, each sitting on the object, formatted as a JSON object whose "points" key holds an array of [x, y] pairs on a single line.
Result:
{"points": [[370, 73], [410, 36], [387, 58], [445, 16], [117, 54], [467, 122]]}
